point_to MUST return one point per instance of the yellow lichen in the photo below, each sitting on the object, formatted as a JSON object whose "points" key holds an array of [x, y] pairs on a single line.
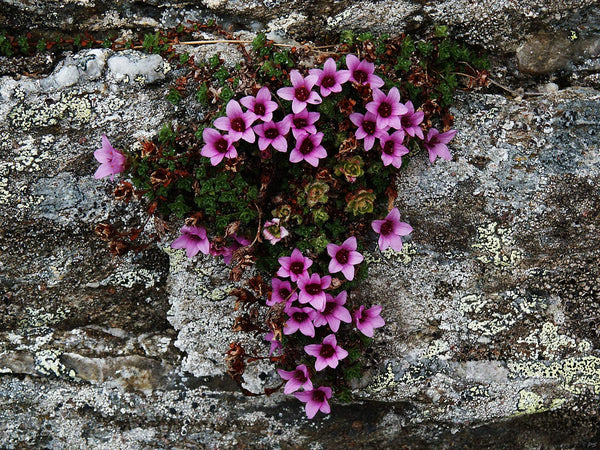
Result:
{"points": [[495, 244]]}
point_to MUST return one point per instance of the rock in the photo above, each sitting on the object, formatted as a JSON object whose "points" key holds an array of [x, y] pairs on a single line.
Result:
{"points": [[491, 335]]}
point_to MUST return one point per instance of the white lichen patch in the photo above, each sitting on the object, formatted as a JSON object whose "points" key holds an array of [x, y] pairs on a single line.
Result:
{"points": [[131, 278], [40, 317], [437, 349], [531, 403], [404, 256], [576, 374], [497, 246]]}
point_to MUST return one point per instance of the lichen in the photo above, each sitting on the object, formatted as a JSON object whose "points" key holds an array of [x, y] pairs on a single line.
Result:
{"points": [[496, 245], [404, 256], [47, 362], [382, 381], [25, 116]]}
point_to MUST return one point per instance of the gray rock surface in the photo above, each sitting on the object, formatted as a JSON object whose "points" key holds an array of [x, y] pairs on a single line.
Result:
{"points": [[491, 308]]}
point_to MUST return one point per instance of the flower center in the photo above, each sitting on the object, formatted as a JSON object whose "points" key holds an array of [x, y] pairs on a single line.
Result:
{"points": [[369, 127], [259, 109], [360, 76], [221, 145], [327, 351], [386, 228], [306, 147], [302, 94], [406, 121], [329, 307], [318, 396], [385, 110], [299, 376], [328, 81], [300, 316], [238, 124], [342, 256], [300, 123], [388, 148], [297, 267], [271, 133], [313, 288], [284, 293]]}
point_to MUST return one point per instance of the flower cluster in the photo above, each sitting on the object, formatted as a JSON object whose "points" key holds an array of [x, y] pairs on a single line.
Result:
{"points": [[309, 306]]}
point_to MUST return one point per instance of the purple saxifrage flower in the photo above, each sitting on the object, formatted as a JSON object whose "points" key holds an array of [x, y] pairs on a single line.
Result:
{"points": [[392, 149], [111, 160], [435, 143], [329, 78], [344, 257], [387, 108], [193, 239], [237, 122], [316, 400], [300, 319], [262, 106], [275, 344], [411, 120], [217, 146], [303, 122], [366, 320], [391, 230], [273, 231], [328, 353], [312, 290], [362, 72], [367, 128], [294, 266], [308, 148], [334, 312], [296, 379], [273, 133], [281, 293], [301, 93]]}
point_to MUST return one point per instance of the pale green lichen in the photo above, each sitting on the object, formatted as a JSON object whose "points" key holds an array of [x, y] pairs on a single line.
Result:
{"points": [[47, 362], [496, 245], [382, 381], [128, 279], [404, 256], [551, 345], [437, 348], [25, 116], [531, 403], [576, 374], [40, 317]]}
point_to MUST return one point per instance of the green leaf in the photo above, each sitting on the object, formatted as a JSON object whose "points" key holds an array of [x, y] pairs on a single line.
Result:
{"points": [[259, 41], [202, 94], [214, 61], [166, 134]]}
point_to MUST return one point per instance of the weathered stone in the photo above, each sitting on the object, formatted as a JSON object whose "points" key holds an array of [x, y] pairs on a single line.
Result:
{"points": [[491, 334]]}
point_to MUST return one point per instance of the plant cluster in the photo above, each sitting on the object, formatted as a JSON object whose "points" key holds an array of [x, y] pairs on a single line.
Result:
{"points": [[297, 177]]}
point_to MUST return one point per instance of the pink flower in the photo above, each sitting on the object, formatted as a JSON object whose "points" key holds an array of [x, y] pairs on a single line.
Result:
{"points": [[303, 122], [237, 122], [193, 239], [217, 146], [312, 290], [273, 231], [275, 344], [300, 319], [329, 79], [334, 312], [300, 93], [435, 143], [392, 149], [111, 160], [391, 230], [366, 320], [362, 72], [344, 257], [262, 106], [316, 400], [328, 354], [294, 266], [411, 120], [367, 128], [239, 241], [308, 148], [387, 108], [282, 292], [273, 133], [296, 379]]}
